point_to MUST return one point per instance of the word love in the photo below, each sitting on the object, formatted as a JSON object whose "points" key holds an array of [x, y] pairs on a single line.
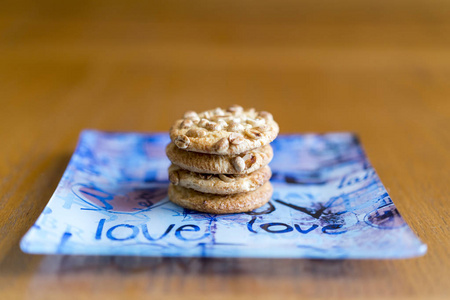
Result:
{"points": [[278, 227], [124, 232]]}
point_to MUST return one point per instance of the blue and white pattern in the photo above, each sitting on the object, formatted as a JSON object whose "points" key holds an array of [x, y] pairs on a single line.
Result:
{"points": [[328, 203]]}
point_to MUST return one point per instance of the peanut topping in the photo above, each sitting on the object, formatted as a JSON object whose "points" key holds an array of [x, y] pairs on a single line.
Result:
{"points": [[219, 112], [238, 164], [253, 133], [263, 128], [205, 176], [226, 118], [218, 131], [226, 178], [213, 126], [190, 115], [174, 177], [196, 132], [186, 124], [222, 145], [222, 123], [235, 138], [203, 122], [249, 159], [237, 109], [182, 141], [256, 122], [206, 115], [235, 127], [266, 115]]}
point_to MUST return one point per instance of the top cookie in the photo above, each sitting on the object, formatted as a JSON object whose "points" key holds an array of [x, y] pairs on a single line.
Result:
{"points": [[224, 132]]}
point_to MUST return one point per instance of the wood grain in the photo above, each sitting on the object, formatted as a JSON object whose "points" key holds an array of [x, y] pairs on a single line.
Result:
{"points": [[378, 68]]}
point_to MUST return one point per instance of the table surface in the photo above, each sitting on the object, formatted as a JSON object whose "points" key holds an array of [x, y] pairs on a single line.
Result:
{"points": [[378, 68]]}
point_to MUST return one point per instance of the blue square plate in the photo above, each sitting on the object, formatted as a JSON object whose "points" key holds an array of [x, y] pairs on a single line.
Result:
{"points": [[328, 203]]}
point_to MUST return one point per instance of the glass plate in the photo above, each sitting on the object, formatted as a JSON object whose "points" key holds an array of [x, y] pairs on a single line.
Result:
{"points": [[328, 203]]}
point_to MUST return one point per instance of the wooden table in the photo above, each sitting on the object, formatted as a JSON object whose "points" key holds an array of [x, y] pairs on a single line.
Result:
{"points": [[379, 68]]}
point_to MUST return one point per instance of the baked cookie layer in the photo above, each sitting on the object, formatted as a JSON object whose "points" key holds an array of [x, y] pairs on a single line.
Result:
{"points": [[224, 132], [243, 163], [219, 183], [220, 204]]}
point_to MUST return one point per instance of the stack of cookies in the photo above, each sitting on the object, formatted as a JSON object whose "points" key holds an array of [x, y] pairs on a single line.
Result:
{"points": [[219, 160]]}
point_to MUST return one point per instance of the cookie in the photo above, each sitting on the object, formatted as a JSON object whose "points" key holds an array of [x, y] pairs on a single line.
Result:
{"points": [[219, 183], [220, 204], [243, 163], [224, 132]]}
